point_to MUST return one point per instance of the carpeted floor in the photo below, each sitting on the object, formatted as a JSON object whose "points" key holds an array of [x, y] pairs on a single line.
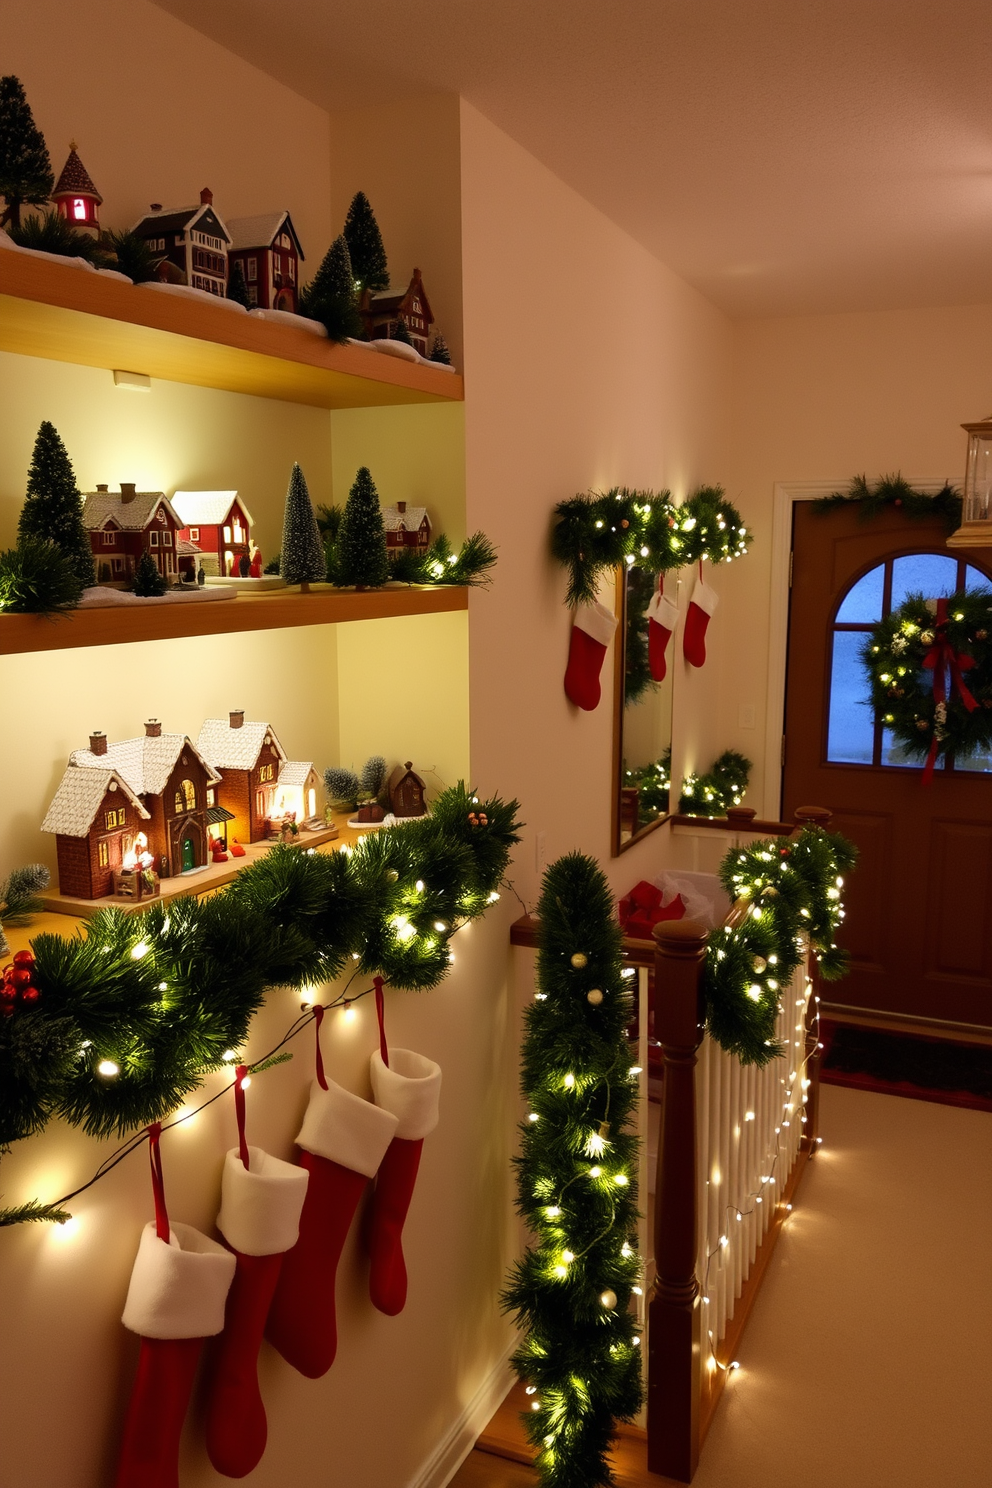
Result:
{"points": [[864, 1363], [930, 1069]]}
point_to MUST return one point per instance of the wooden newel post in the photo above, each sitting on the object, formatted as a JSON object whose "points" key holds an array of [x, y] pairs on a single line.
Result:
{"points": [[674, 1353]]}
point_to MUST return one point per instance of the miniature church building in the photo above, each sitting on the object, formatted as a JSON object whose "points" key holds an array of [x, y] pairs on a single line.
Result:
{"points": [[383, 311], [75, 197], [219, 525], [123, 525], [406, 527], [270, 255], [190, 244]]}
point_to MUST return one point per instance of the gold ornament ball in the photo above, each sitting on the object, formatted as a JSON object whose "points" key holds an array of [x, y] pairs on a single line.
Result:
{"points": [[579, 960], [594, 996], [608, 1299], [926, 636], [760, 963], [771, 893]]}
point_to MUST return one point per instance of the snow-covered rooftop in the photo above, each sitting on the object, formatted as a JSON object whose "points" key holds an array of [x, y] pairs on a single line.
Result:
{"points": [[295, 772], [100, 507], [410, 520], [206, 508], [77, 800], [145, 763], [227, 748]]}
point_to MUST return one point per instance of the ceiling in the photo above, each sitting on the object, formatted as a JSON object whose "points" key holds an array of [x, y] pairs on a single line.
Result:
{"points": [[781, 155]]}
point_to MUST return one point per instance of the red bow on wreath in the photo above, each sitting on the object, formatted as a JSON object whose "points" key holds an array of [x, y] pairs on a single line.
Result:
{"points": [[941, 659]]}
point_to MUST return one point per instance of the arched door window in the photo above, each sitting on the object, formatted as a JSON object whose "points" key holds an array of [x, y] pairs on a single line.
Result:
{"points": [[185, 797], [853, 735]]}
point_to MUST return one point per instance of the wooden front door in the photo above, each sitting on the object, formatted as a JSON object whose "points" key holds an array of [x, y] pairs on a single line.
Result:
{"points": [[189, 854], [919, 904]]}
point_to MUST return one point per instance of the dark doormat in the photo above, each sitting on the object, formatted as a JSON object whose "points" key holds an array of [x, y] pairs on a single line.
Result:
{"points": [[908, 1064]]}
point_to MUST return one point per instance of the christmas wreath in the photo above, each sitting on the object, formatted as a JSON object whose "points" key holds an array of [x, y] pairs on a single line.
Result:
{"points": [[929, 667]]}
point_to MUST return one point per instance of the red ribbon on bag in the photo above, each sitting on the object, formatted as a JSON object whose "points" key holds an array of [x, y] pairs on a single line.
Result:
{"points": [[941, 659]]}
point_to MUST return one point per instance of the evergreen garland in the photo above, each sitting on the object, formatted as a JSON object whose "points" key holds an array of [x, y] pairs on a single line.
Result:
{"points": [[330, 296], [37, 578], [576, 1186], [368, 256], [301, 558], [723, 786], [892, 490], [163, 995], [599, 532], [53, 507], [361, 547], [147, 579], [792, 886], [471, 565], [654, 784], [25, 170], [237, 285]]}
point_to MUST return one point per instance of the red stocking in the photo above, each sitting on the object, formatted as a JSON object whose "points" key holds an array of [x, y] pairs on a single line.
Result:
{"points": [[259, 1218], [176, 1298], [704, 601], [344, 1139], [663, 615], [592, 631], [409, 1086]]}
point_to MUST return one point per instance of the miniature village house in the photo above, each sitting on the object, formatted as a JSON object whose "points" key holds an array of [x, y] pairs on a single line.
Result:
{"points": [[299, 790], [247, 758], [270, 255], [407, 792], [190, 244], [219, 524], [406, 527], [75, 197], [383, 311], [139, 804], [124, 524]]}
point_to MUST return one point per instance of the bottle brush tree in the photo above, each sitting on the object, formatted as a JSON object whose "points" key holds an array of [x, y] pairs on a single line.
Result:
{"points": [[301, 560], [26, 177], [237, 286], [401, 333], [576, 1186], [148, 582], [439, 350], [53, 507], [361, 545], [330, 297], [368, 256]]}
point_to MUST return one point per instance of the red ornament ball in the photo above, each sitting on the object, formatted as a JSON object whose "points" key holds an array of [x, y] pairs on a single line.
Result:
{"points": [[23, 958], [21, 977], [898, 501], [30, 996]]}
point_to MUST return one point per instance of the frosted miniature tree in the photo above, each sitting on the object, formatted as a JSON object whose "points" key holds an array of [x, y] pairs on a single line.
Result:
{"points": [[148, 582], [25, 170], [439, 350], [361, 547], [237, 288], [330, 296], [53, 507], [401, 333], [368, 256], [302, 559]]}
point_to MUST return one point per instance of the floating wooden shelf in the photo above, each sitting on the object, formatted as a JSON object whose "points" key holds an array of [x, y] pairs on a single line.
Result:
{"points": [[285, 608], [72, 315]]}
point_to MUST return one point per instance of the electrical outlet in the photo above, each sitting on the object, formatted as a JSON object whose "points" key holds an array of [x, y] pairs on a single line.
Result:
{"points": [[541, 851], [745, 715]]}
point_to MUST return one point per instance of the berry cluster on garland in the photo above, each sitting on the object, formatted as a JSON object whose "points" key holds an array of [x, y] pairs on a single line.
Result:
{"points": [[929, 666]]}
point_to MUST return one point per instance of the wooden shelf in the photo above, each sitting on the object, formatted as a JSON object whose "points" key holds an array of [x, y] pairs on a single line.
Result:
{"points": [[283, 609], [71, 315]]}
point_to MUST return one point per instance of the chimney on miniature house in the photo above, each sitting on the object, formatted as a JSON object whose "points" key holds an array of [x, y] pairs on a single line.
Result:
{"points": [[401, 507], [153, 728], [237, 717], [155, 207], [206, 197], [127, 492], [98, 743], [103, 488]]}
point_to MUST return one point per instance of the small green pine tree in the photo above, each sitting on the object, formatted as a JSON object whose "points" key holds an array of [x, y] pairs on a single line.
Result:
{"points": [[25, 169], [302, 558], [237, 288], [368, 256], [53, 507], [361, 546], [402, 334], [330, 297], [147, 579], [133, 255], [49, 232], [439, 350]]}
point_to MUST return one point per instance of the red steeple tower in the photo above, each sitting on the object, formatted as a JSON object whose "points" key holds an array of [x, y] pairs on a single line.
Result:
{"points": [[75, 196]]}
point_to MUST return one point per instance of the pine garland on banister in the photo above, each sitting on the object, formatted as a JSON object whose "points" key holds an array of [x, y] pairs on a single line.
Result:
{"points": [[576, 1186], [794, 886], [599, 532], [158, 998]]}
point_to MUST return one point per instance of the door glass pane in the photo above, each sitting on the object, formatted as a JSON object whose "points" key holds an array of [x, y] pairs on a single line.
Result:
{"points": [[895, 753], [862, 604], [979, 762], [975, 579], [851, 729], [929, 574]]}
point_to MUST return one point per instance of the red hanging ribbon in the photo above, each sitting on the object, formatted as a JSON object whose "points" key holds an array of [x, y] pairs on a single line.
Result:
{"points": [[158, 1181], [942, 658], [318, 1018], [239, 1110], [380, 1012]]}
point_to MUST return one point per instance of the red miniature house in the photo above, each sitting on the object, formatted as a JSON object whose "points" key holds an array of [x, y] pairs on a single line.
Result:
{"points": [[123, 525], [219, 524], [382, 313], [246, 757], [406, 792], [270, 255], [75, 197], [120, 804], [190, 244], [406, 527]]}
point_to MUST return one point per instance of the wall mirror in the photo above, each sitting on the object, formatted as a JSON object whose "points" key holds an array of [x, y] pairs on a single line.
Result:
{"points": [[642, 719]]}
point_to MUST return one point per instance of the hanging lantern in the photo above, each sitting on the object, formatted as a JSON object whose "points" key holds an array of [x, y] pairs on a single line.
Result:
{"points": [[976, 525]]}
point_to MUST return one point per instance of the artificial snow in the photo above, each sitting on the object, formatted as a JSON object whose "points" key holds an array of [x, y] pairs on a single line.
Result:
{"points": [[186, 291], [115, 274], [100, 598], [397, 349], [286, 317], [6, 241]]}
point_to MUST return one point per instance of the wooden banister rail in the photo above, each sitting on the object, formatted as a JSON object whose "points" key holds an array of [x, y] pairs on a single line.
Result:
{"points": [[674, 1345]]}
